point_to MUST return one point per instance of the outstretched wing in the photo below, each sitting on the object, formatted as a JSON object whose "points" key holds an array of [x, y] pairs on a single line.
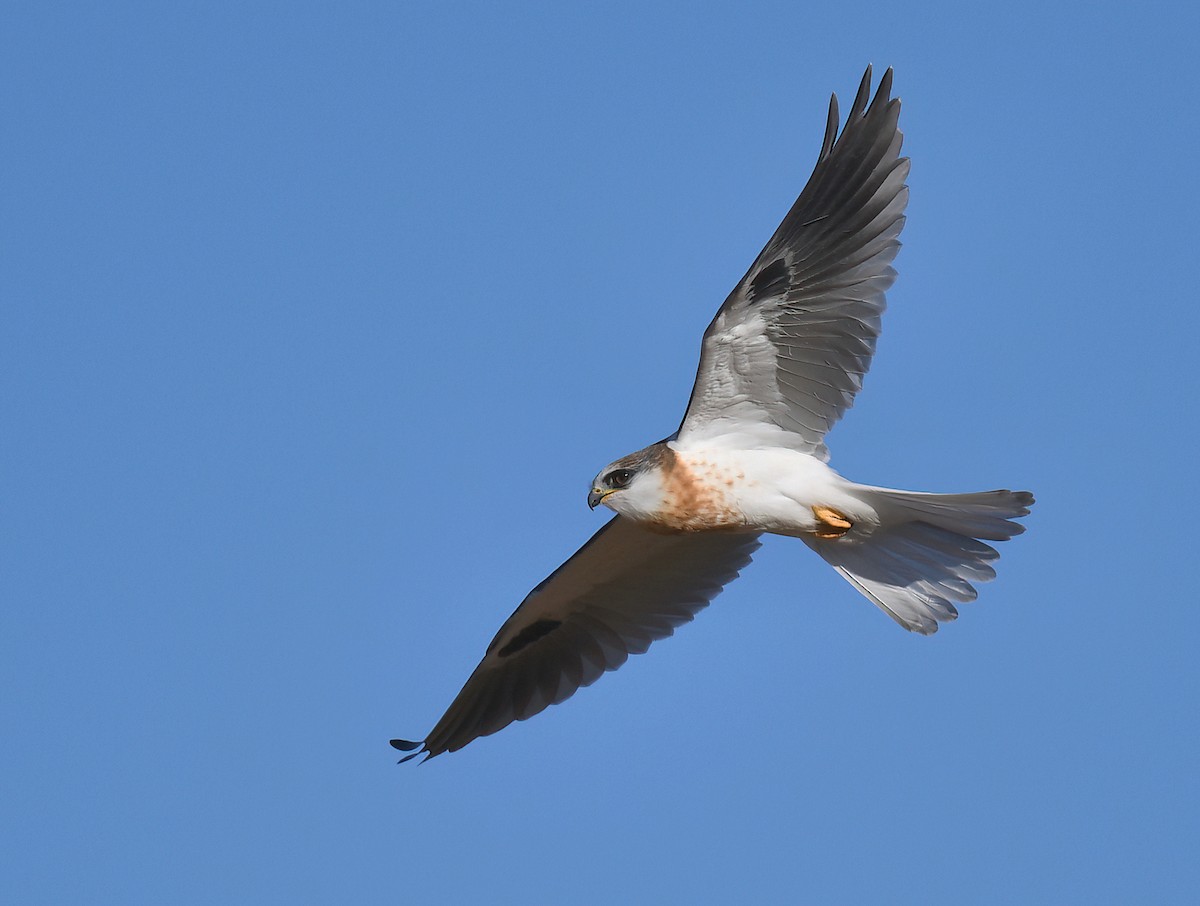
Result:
{"points": [[789, 348], [621, 591]]}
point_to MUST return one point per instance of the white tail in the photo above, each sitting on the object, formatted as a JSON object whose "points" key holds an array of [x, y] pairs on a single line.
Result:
{"points": [[927, 551]]}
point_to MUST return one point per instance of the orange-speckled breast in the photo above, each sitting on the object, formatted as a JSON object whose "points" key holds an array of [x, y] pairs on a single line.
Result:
{"points": [[699, 496]]}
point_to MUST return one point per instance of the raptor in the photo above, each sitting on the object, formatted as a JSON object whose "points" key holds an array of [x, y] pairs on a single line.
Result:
{"points": [[779, 365]]}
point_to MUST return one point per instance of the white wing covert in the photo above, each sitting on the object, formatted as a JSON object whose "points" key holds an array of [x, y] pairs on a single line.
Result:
{"points": [[625, 588], [789, 348]]}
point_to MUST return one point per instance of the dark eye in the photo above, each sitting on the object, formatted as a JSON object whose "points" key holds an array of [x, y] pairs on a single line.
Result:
{"points": [[619, 478]]}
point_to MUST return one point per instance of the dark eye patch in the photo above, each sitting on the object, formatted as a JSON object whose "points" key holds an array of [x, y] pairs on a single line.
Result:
{"points": [[619, 478]]}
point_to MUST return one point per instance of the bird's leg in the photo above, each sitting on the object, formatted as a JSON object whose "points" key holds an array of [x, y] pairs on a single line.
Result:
{"points": [[830, 523]]}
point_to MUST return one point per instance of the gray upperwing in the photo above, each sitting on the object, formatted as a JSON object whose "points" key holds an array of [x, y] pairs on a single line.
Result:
{"points": [[791, 344]]}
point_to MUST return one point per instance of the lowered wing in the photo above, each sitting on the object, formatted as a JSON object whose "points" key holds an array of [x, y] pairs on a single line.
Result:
{"points": [[625, 588]]}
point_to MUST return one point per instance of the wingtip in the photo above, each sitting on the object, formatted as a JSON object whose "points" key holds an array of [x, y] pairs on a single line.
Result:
{"points": [[857, 109], [832, 122], [861, 97], [884, 92], [415, 748]]}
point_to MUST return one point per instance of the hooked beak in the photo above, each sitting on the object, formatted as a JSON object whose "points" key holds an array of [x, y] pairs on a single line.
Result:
{"points": [[596, 497]]}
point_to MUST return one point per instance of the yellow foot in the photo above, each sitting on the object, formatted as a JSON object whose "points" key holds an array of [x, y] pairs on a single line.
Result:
{"points": [[830, 523]]}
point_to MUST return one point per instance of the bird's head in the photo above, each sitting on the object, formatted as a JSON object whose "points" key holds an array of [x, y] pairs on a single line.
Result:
{"points": [[632, 485]]}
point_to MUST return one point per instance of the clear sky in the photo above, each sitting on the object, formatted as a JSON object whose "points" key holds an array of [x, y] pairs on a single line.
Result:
{"points": [[318, 320]]}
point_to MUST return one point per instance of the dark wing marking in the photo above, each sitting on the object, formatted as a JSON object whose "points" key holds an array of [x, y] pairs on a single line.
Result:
{"points": [[625, 588], [789, 348]]}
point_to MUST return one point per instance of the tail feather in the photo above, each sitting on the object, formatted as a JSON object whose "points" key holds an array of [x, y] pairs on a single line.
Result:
{"points": [[927, 551]]}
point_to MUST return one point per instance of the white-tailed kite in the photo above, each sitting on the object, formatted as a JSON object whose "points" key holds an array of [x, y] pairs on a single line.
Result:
{"points": [[780, 363]]}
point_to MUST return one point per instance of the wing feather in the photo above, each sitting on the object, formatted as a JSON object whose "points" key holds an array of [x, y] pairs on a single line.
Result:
{"points": [[786, 353], [623, 590]]}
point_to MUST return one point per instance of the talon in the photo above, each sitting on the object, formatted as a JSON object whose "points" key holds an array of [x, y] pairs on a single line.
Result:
{"points": [[830, 523]]}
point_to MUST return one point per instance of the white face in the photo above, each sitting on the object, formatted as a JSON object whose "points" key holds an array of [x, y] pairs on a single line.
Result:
{"points": [[632, 492]]}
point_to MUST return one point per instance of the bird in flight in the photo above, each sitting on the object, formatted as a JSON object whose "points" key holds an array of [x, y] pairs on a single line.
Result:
{"points": [[779, 364]]}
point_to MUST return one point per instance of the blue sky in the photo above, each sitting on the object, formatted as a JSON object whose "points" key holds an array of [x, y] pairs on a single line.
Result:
{"points": [[317, 321]]}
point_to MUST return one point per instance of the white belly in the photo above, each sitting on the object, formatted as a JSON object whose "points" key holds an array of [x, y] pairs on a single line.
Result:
{"points": [[771, 490]]}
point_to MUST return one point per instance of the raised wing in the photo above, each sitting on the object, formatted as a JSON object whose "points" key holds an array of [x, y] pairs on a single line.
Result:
{"points": [[789, 348], [624, 589]]}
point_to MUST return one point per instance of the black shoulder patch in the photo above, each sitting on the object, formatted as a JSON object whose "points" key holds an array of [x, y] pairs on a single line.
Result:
{"points": [[528, 636], [771, 281]]}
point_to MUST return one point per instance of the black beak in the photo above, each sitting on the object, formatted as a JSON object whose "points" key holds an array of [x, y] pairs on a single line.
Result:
{"points": [[594, 498]]}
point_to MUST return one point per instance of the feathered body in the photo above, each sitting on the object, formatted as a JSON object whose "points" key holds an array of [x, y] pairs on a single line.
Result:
{"points": [[911, 553], [780, 363], [714, 488]]}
